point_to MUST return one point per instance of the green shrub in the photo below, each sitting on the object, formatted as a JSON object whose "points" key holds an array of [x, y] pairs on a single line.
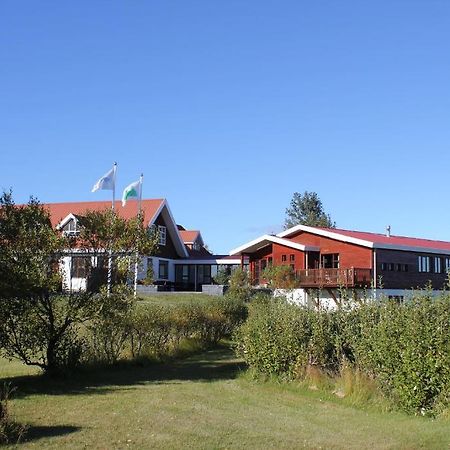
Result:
{"points": [[108, 334], [404, 348], [407, 349], [240, 287], [279, 277], [158, 330]]}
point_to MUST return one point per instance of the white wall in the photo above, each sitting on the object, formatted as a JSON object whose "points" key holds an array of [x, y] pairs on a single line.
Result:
{"points": [[326, 301]]}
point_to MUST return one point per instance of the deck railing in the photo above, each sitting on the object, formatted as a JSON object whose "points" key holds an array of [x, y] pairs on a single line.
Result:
{"points": [[353, 277]]}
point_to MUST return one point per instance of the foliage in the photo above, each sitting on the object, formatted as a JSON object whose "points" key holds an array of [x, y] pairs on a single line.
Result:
{"points": [[43, 330], [109, 329], [104, 231], [278, 338], [240, 286], [149, 275], [405, 348], [29, 249], [279, 277], [37, 325], [223, 276], [159, 330], [307, 209]]}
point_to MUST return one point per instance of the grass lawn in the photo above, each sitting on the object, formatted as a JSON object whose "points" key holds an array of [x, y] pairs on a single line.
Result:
{"points": [[175, 298], [203, 402]]}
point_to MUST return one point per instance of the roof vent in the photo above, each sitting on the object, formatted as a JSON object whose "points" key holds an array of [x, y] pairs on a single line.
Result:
{"points": [[388, 231]]}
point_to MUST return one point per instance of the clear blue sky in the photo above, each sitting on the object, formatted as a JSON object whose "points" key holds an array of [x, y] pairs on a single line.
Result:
{"points": [[228, 107]]}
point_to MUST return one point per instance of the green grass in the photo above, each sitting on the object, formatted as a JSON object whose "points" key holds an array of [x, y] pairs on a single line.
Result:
{"points": [[175, 298], [202, 402]]}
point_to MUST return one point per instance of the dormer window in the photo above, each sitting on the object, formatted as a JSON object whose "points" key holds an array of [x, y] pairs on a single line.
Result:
{"points": [[196, 246], [71, 227], [162, 231]]}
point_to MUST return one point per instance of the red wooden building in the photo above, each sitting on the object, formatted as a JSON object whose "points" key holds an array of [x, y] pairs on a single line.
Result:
{"points": [[328, 259]]}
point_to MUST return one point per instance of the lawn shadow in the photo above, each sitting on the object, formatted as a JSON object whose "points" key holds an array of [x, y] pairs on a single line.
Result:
{"points": [[21, 434], [33, 433], [212, 365]]}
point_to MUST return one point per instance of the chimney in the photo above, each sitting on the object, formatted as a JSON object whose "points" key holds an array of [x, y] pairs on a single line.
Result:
{"points": [[388, 231]]}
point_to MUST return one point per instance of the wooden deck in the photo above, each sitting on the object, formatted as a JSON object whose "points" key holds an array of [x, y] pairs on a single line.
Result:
{"points": [[318, 278]]}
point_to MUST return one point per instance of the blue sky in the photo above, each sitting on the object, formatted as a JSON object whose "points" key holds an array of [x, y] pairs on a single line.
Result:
{"points": [[230, 107]]}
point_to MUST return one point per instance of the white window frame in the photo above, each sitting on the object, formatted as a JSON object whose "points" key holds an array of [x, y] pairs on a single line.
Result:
{"points": [[447, 264], [162, 232], [437, 264], [424, 264]]}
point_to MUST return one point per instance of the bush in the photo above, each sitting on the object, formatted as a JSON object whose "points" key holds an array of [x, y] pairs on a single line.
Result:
{"points": [[109, 331], [10, 431], [404, 348], [283, 339], [158, 330], [279, 277], [240, 287]]}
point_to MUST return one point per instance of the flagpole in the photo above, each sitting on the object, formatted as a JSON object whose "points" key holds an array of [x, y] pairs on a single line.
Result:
{"points": [[137, 249], [112, 209]]}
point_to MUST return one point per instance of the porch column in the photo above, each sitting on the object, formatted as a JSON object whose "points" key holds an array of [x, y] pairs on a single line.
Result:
{"points": [[242, 261]]}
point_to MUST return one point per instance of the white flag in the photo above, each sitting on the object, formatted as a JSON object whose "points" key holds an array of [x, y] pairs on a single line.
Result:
{"points": [[133, 190], [106, 181]]}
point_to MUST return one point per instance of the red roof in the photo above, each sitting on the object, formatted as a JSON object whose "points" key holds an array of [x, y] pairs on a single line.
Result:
{"points": [[395, 241], [189, 236], [59, 211]]}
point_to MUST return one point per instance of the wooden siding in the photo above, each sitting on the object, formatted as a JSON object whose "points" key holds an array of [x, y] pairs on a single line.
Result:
{"points": [[168, 250], [276, 252], [350, 255], [412, 279]]}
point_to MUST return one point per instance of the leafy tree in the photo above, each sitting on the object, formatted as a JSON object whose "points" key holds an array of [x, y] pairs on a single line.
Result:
{"points": [[307, 209], [38, 324], [29, 249], [102, 231]]}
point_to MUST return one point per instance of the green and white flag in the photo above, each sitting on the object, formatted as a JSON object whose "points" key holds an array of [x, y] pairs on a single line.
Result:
{"points": [[132, 191]]}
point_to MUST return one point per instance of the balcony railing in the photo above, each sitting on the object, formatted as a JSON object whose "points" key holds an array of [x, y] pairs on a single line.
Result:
{"points": [[318, 278]]}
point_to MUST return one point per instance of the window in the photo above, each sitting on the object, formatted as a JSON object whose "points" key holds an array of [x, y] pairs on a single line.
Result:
{"points": [[263, 264], [71, 227], [424, 263], [383, 266], [269, 260], [162, 230], [390, 267], [330, 261], [283, 258], [437, 264], [396, 298], [163, 270], [80, 266], [447, 264]]}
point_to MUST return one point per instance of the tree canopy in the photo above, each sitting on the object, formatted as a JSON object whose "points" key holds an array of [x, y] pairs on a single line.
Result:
{"points": [[39, 322], [307, 209]]}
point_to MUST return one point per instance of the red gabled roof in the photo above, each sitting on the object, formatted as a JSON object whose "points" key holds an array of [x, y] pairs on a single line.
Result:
{"points": [[189, 236], [379, 239], [59, 211]]}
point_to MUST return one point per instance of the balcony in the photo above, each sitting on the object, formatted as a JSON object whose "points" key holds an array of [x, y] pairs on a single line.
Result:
{"points": [[329, 278]]}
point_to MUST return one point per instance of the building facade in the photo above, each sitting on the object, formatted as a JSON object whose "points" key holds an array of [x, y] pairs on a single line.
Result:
{"points": [[181, 262], [324, 261]]}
